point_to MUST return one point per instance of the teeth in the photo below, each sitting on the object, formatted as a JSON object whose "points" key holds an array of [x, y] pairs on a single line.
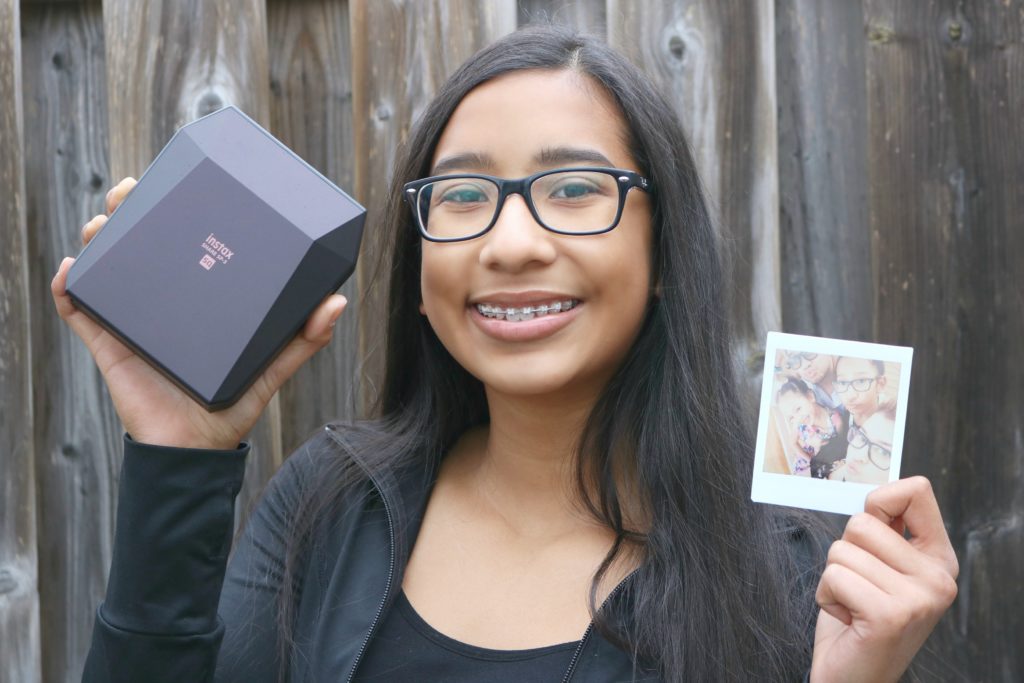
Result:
{"points": [[514, 314]]}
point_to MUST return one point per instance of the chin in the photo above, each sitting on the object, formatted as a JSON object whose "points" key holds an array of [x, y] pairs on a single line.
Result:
{"points": [[538, 381], [525, 385]]}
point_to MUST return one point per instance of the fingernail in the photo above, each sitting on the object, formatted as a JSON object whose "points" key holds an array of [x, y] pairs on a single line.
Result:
{"points": [[64, 262]]}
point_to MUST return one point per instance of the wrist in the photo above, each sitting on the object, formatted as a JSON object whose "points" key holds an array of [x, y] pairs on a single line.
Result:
{"points": [[184, 441]]}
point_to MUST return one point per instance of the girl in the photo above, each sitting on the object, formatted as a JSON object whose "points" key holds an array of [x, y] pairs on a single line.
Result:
{"points": [[555, 483], [861, 382], [815, 428]]}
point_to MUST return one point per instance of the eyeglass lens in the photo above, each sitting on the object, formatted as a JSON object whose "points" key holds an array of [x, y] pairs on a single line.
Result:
{"points": [[878, 455], [569, 201], [859, 385]]}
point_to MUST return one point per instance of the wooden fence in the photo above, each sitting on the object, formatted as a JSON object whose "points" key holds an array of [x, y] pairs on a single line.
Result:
{"points": [[865, 158]]}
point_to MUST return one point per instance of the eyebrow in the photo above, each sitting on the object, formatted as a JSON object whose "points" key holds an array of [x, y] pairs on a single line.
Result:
{"points": [[561, 155], [549, 156], [466, 160]]}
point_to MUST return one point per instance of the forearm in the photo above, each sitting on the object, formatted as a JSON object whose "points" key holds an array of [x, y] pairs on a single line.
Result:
{"points": [[175, 521]]}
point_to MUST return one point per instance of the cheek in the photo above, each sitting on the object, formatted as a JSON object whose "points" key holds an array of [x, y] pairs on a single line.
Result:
{"points": [[442, 295], [440, 270]]}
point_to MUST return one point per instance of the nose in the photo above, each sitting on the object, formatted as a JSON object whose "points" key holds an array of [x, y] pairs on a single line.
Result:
{"points": [[516, 241]]}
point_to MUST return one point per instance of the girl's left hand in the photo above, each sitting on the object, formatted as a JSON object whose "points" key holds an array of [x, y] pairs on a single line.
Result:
{"points": [[882, 594]]}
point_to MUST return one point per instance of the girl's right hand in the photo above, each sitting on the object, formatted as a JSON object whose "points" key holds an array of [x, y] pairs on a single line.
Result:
{"points": [[152, 408]]}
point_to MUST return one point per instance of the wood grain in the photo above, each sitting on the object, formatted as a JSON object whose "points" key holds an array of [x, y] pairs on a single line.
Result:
{"points": [[715, 62], [19, 594], [865, 159], [76, 432], [825, 253], [402, 51], [945, 92], [311, 112], [169, 63]]}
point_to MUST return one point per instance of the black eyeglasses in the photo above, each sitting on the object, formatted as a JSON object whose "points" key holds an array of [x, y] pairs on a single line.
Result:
{"points": [[859, 385], [568, 201], [878, 455]]}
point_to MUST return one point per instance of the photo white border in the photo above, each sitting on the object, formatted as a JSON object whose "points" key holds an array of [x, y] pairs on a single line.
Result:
{"points": [[843, 497]]}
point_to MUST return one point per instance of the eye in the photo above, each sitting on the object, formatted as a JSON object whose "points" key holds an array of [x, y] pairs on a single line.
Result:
{"points": [[574, 189], [463, 195]]}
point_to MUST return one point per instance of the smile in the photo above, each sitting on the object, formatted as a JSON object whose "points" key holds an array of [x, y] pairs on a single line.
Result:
{"points": [[523, 313]]}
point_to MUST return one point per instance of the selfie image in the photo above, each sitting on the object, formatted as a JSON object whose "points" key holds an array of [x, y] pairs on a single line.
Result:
{"points": [[510, 341], [833, 417]]}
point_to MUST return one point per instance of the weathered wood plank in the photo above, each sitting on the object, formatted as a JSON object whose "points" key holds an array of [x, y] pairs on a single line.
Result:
{"points": [[825, 244], [716, 64], [19, 595], [584, 15], [169, 63], [311, 112], [945, 92], [77, 436], [402, 51]]}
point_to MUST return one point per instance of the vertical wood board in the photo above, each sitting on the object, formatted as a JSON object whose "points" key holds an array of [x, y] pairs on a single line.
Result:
{"points": [[402, 51], [19, 595], [311, 112], [715, 62], [76, 432], [825, 243], [946, 162]]}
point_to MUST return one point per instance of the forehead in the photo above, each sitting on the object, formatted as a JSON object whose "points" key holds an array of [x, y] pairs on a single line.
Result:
{"points": [[791, 396], [855, 367], [513, 119], [879, 429]]}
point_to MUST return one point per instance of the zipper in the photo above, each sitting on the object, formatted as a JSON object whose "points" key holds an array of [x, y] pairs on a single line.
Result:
{"points": [[590, 629], [387, 585]]}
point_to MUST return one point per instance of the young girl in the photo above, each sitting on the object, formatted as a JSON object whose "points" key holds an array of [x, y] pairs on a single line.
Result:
{"points": [[816, 430], [555, 485]]}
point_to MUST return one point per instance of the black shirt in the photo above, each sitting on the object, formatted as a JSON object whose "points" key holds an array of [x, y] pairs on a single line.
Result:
{"points": [[407, 648]]}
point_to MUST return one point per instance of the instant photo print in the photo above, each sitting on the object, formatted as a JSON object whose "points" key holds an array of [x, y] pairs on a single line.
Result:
{"points": [[831, 423], [216, 258]]}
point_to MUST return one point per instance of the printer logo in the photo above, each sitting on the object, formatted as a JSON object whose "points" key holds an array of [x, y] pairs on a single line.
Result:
{"points": [[216, 252]]}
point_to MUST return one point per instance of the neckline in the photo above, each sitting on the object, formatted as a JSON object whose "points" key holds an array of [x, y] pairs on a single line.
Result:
{"points": [[420, 625]]}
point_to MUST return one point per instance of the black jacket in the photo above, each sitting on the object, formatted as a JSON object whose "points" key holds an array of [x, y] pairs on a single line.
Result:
{"points": [[161, 620]]}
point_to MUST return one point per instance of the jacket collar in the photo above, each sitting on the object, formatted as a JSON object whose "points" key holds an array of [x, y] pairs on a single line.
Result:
{"points": [[404, 493]]}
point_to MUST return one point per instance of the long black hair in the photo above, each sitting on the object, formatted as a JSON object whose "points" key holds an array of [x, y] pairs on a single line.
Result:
{"points": [[717, 595]]}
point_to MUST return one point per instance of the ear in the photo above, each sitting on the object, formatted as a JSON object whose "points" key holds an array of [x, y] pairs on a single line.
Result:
{"points": [[423, 310]]}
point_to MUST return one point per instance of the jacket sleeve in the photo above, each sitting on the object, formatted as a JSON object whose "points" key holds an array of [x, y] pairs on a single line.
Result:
{"points": [[169, 612]]}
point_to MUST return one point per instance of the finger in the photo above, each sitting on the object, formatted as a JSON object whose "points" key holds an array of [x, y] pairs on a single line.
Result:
{"points": [[314, 336], [57, 289], [913, 501], [881, 540], [90, 229], [318, 328], [79, 323], [117, 193], [867, 565], [843, 593]]}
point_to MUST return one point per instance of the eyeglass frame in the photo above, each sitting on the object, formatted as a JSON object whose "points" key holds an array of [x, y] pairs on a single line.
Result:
{"points": [[849, 384], [626, 180], [869, 444], [801, 356]]}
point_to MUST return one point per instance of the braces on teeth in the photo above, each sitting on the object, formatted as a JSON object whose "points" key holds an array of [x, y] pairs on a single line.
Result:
{"points": [[526, 312]]}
